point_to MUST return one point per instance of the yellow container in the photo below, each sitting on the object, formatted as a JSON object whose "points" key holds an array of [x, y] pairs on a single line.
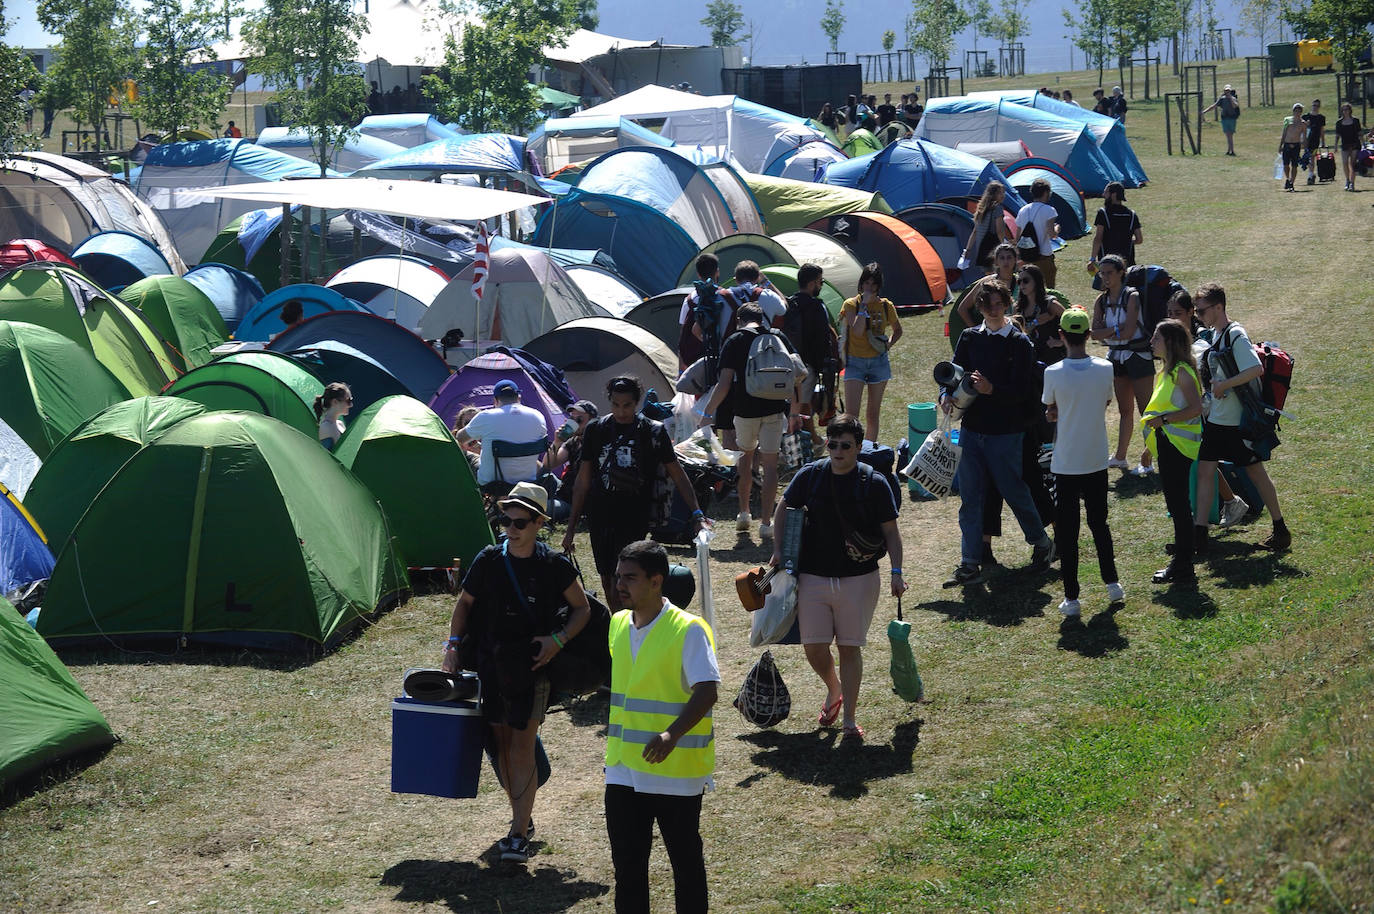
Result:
{"points": [[1315, 55]]}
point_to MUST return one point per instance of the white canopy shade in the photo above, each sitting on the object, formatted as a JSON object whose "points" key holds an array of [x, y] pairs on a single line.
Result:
{"points": [[413, 199]]}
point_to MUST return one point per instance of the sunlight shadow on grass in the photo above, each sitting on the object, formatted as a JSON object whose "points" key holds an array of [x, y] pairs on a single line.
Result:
{"points": [[1187, 604], [1130, 486], [1240, 565], [465, 886], [1005, 600], [1097, 638], [817, 757]]}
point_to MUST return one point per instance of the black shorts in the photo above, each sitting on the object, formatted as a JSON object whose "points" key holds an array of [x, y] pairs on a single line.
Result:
{"points": [[1292, 153], [611, 535], [1223, 442], [1136, 366]]}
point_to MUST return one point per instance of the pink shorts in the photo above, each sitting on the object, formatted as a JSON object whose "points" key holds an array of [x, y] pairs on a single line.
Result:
{"points": [[836, 609]]}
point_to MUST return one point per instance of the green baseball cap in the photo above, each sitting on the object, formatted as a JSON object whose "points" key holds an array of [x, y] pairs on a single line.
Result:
{"points": [[1075, 320]]}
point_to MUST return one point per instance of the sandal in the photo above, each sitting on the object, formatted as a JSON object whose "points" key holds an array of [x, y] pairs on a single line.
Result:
{"points": [[829, 713], [853, 733]]}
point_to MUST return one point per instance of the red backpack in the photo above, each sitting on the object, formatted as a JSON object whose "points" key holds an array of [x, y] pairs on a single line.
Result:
{"points": [[1278, 373]]}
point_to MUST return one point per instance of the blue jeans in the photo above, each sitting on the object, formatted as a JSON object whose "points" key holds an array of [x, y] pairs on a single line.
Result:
{"points": [[996, 458]]}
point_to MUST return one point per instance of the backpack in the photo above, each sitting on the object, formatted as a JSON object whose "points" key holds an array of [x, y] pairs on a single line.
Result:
{"points": [[763, 699], [1155, 287], [1029, 239], [1278, 373], [704, 311], [1261, 399], [769, 372]]}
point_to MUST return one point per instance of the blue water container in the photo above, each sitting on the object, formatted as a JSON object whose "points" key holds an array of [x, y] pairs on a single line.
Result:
{"points": [[436, 747]]}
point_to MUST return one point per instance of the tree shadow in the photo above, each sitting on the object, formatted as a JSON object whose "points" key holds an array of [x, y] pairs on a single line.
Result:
{"points": [[819, 757], [1003, 599], [1098, 637], [1242, 565], [1187, 603], [471, 887]]}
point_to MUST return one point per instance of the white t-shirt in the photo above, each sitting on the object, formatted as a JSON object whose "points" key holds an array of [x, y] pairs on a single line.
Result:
{"points": [[698, 665], [1081, 388], [331, 430], [774, 306], [1043, 215], [1227, 410], [511, 422]]}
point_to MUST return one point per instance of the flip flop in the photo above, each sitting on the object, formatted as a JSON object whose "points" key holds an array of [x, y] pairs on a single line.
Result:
{"points": [[829, 713], [853, 734]]}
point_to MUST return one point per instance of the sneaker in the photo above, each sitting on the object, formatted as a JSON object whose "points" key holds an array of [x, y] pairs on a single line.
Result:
{"points": [[1143, 470], [1277, 541], [743, 521], [765, 531], [965, 574], [1070, 608], [1172, 575], [515, 849], [1116, 593], [1115, 464], [1311, 179], [1233, 511], [1041, 558], [529, 832]]}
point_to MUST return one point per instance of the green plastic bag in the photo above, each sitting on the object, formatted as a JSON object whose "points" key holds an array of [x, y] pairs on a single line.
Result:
{"points": [[906, 681]]}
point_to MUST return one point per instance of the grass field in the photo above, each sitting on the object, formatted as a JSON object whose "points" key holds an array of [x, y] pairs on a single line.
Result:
{"points": [[1186, 752]]}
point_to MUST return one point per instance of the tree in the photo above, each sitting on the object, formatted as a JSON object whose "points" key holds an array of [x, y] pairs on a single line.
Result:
{"points": [[980, 18], [17, 73], [931, 29], [483, 83], [306, 50], [1009, 23], [587, 16], [1090, 27], [95, 55], [725, 19], [1345, 22], [171, 95], [889, 39], [832, 23]]}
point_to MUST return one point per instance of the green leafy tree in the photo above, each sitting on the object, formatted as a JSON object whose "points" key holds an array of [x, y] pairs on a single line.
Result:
{"points": [[979, 19], [725, 19], [1260, 19], [1009, 23], [1090, 27], [587, 16], [17, 74], [832, 23], [889, 39], [305, 50], [483, 83], [96, 53], [1345, 22], [931, 29], [171, 95]]}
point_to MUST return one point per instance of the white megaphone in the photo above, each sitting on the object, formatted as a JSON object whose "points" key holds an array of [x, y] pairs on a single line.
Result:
{"points": [[959, 385]]}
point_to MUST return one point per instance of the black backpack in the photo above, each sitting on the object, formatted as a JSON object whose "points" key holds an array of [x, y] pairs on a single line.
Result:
{"points": [[1155, 287]]}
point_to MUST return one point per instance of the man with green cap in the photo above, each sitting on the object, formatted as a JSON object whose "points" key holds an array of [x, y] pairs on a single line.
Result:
{"points": [[1077, 392]]}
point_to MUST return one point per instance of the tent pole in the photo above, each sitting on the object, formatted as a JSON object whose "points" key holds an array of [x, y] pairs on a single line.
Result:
{"points": [[305, 244]]}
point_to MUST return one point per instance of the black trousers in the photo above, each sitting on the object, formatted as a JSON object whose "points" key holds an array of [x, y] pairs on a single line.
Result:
{"points": [[1174, 470], [1091, 490], [630, 818]]}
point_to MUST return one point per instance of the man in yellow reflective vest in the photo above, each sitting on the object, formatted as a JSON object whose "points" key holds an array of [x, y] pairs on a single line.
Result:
{"points": [[660, 745]]}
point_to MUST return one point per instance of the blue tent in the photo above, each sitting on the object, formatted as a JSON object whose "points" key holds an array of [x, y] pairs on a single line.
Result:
{"points": [[477, 153], [909, 172], [648, 247], [24, 553], [115, 259], [951, 121], [413, 361], [233, 291], [1108, 131], [368, 380], [1073, 215], [357, 150], [801, 159], [406, 130], [265, 318]]}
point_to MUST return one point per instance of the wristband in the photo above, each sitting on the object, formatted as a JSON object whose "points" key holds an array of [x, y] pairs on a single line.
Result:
{"points": [[554, 636], [454, 639], [450, 647], [698, 513], [896, 571]]}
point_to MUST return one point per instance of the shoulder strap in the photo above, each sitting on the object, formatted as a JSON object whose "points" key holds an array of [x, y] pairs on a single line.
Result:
{"points": [[510, 572]]}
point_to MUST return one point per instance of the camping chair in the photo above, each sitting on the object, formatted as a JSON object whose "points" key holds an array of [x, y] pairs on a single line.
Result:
{"points": [[500, 486]]}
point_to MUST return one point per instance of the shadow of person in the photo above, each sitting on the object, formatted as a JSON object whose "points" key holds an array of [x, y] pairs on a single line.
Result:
{"points": [[1129, 485], [466, 886], [1096, 638], [1241, 565], [593, 710], [1187, 603], [1003, 600], [816, 757]]}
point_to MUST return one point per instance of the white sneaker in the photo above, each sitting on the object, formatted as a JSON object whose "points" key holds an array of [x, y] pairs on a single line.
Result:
{"points": [[1069, 608], [765, 531], [743, 521], [1114, 464], [1143, 470], [1233, 511], [1115, 592]]}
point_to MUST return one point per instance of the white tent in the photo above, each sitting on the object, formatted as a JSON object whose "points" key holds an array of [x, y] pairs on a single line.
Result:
{"points": [[605, 288], [392, 285], [356, 152]]}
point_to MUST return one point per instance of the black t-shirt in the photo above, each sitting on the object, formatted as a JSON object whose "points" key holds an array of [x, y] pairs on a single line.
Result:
{"points": [[1316, 123], [639, 448], [1228, 107], [886, 112], [1349, 134], [734, 354], [1118, 231], [911, 112], [867, 502], [497, 616], [807, 325]]}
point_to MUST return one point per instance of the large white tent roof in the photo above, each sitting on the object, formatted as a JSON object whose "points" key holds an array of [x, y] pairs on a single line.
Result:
{"points": [[583, 45], [416, 199]]}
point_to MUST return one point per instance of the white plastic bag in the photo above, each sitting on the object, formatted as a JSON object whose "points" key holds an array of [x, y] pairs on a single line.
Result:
{"points": [[935, 463], [1278, 166], [708, 606], [772, 623]]}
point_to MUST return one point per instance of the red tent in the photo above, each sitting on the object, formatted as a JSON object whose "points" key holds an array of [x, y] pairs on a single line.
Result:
{"points": [[20, 251]]}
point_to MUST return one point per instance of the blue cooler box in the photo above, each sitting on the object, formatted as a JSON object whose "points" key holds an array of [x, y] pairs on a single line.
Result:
{"points": [[436, 748]]}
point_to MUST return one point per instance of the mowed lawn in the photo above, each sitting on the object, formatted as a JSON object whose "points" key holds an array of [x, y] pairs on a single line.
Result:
{"points": [[1188, 751]]}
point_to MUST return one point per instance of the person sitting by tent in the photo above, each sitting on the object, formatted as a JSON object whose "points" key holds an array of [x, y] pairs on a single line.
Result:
{"points": [[509, 422], [292, 313], [472, 448], [861, 140], [330, 408]]}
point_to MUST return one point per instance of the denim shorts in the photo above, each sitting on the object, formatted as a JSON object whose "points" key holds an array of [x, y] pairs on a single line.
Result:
{"points": [[871, 371]]}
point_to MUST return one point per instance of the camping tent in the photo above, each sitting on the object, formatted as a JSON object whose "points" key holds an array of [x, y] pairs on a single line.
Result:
{"points": [[474, 153], [1109, 132], [909, 172], [841, 268], [113, 259], [947, 229], [18, 462], [367, 380], [788, 204], [250, 534], [20, 251], [256, 381], [264, 320], [24, 553], [526, 294], [913, 275], [731, 250], [181, 313], [605, 288], [81, 464], [406, 130], [398, 286], [472, 385], [357, 151], [592, 350], [804, 161], [252, 242], [661, 315], [561, 141], [45, 718], [59, 201], [173, 172], [410, 359], [233, 292], [951, 121], [999, 154], [50, 385], [1064, 195], [57, 297], [411, 462]]}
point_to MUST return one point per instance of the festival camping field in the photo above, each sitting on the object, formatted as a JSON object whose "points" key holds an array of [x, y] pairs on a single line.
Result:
{"points": [[1186, 752]]}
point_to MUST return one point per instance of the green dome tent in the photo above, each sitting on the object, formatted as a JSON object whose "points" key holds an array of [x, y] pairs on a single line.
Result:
{"points": [[247, 533], [49, 385], [57, 297], [732, 249], [78, 467], [784, 278], [181, 313], [44, 715], [403, 452], [259, 382]]}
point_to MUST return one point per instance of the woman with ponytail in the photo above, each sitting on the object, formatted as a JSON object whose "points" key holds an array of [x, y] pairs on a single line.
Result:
{"points": [[330, 408]]}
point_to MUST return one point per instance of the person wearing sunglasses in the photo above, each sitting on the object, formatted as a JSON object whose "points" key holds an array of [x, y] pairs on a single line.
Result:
{"points": [[850, 520], [507, 609], [330, 408]]}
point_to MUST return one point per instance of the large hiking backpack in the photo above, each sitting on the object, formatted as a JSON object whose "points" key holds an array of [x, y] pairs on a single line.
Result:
{"points": [[1278, 373], [769, 372], [1156, 287]]}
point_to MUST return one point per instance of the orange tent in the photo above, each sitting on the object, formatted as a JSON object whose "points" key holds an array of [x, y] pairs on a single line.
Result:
{"points": [[913, 276]]}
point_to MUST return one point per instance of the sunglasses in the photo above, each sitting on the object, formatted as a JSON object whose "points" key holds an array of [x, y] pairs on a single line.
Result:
{"points": [[840, 445], [519, 523]]}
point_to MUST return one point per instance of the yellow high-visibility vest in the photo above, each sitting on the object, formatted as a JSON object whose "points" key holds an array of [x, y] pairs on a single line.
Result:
{"points": [[647, 696], [1167, 398]]}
